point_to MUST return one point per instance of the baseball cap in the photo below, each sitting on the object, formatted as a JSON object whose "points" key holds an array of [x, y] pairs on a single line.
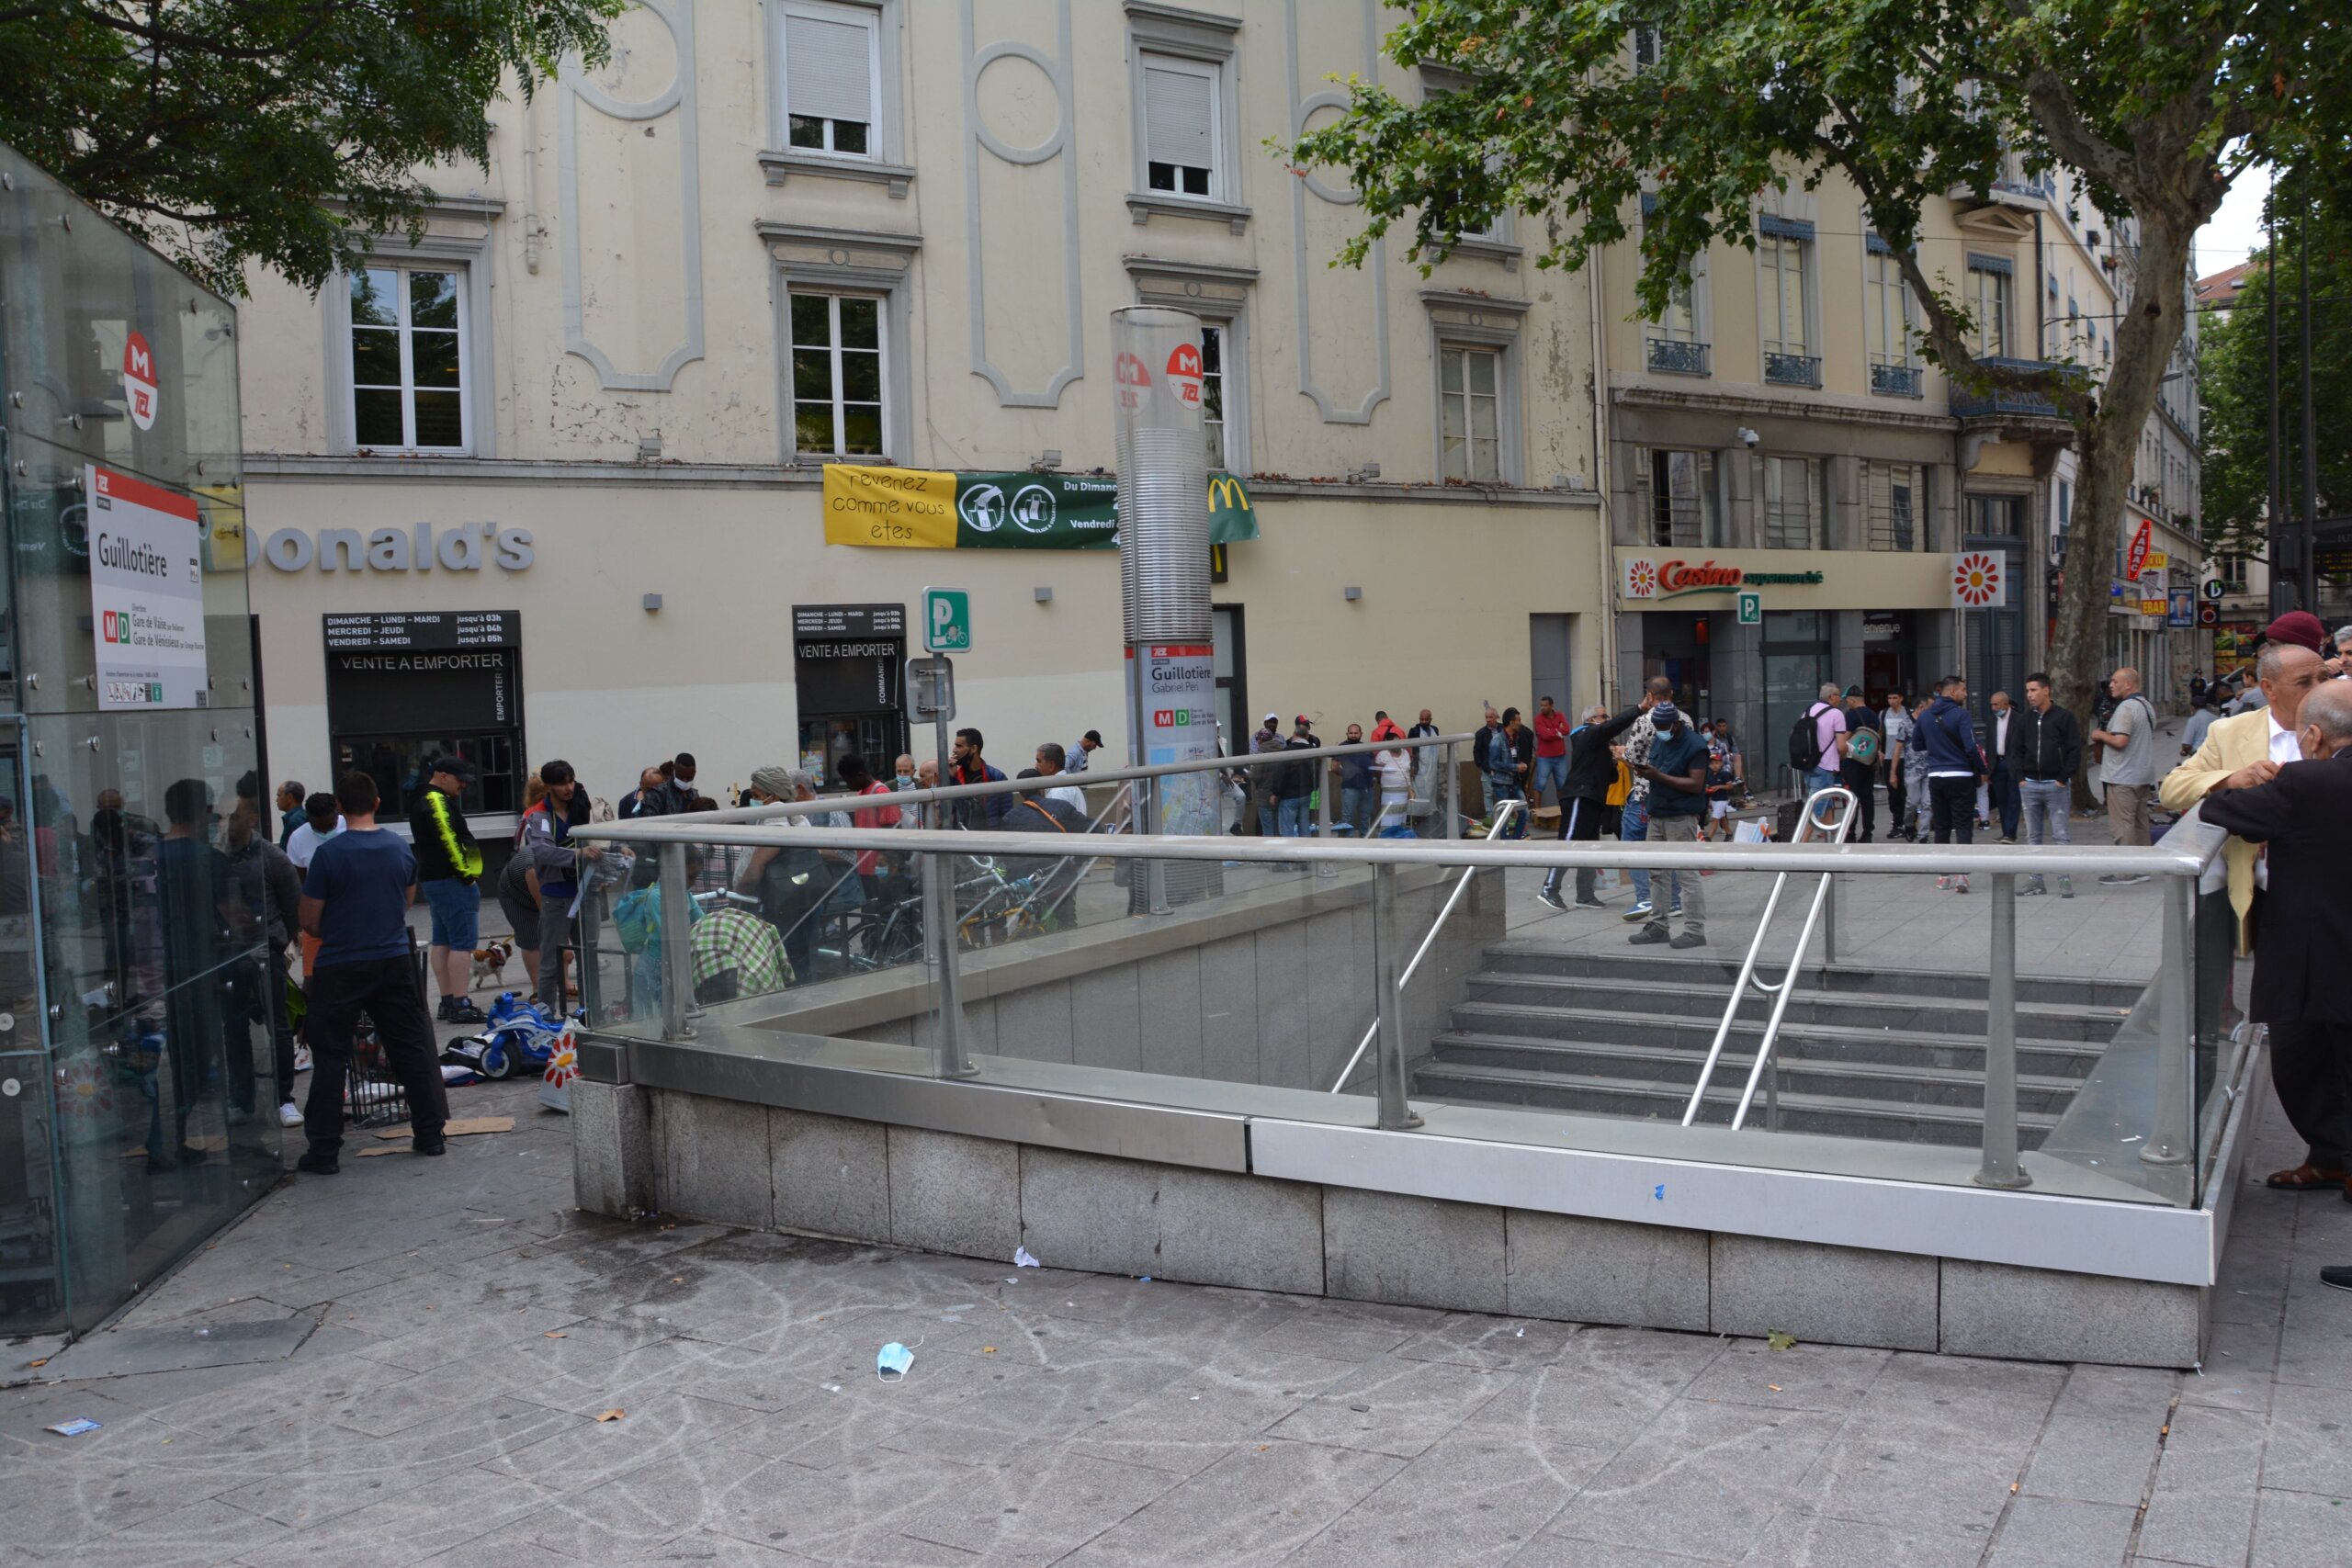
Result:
{"points": [[1304, 722], [1853, 691], [2299, 626], [1273, 719], [457, 767]]}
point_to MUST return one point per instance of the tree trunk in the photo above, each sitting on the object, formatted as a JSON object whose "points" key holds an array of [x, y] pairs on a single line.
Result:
{"points": [[2108, 445]]}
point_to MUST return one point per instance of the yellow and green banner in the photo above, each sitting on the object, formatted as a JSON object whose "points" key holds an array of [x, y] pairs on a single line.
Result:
{"points": [[921, 509]]}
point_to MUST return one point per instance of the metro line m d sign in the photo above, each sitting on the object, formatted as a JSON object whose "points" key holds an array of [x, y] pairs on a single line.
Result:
{"points": [[1649, 577]]}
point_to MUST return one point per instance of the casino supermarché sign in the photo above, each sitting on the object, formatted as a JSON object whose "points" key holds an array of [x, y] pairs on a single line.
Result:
{"points": [[1654, 578]]}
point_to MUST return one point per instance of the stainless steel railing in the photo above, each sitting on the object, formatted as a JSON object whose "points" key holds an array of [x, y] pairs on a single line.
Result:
{"points": [[1462, 885], [2179, 861], [1808, 821]]}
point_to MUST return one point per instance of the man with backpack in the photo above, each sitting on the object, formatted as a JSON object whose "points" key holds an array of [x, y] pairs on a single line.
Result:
{"points": [[1865, 749], [1817, 743]]}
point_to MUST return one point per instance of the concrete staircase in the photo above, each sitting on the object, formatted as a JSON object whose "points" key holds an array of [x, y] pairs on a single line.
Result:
{"points": [[1896, 1055]]}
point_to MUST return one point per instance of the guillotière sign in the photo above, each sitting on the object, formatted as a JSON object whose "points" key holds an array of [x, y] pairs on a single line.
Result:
{"points": [[1648, 577]]}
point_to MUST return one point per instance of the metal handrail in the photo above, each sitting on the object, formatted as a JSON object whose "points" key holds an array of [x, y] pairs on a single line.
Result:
{"points": [[1890, 860], [740, 814], [1807, 822], [1461, 885]]}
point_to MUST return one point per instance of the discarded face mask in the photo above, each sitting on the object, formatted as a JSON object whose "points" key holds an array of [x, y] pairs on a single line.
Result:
{"points": [[893, 1358]]}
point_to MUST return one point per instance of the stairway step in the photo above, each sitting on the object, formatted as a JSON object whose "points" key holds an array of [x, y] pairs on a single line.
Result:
{"points": [[1877, 1082], [1722, 966], [1825, 1043], [1800, 1113], [1706, 999]]}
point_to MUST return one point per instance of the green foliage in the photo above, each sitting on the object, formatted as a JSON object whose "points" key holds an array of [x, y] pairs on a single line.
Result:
{"points": [[1553, 119], [276, 132], [2233, 366]]}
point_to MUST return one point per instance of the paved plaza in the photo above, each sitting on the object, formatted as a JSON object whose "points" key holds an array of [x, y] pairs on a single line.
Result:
{"points": [[462, 1329]]}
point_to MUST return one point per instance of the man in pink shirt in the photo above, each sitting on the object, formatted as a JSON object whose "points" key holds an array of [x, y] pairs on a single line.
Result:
{"points": [[1551, 752]]}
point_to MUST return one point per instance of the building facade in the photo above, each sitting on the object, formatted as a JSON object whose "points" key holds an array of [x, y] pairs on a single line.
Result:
{"points": [[548, 481], [1792, 488]]}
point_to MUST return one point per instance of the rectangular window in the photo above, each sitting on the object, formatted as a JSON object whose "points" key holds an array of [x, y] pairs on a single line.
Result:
{"points": [[408, 357], [1781, 260], [1988, 303], [831, 78], [1886, 304], [1213, 368], [1678, 506], [1890, 496], [837, 375], [1646, 46], [1470, 385], [2231, 570], [1792, 492], [1180, 127]]}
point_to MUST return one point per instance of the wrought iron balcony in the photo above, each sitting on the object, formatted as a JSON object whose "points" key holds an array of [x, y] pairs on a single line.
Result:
{"points": [[2006, 401], [1677, 358], [1898, 381], [1792, 369]]}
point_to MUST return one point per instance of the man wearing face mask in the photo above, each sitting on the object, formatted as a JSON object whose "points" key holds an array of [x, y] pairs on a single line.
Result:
{"points": [[2303, 816], [2242, 752]]}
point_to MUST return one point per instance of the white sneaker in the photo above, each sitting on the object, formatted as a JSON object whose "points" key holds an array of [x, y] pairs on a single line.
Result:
{"points": [[288, 1115], [301, 1058]]}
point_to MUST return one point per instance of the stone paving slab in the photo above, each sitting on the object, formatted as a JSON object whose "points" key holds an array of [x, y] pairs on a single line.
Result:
{"points": [[467, 1328]]}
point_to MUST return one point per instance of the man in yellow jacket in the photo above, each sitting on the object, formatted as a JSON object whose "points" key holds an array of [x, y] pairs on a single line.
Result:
{"points": [[2239, 753]]}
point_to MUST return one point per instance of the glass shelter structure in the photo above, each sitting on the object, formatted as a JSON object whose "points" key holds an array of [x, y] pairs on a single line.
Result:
{"points": [[138, 1082]]}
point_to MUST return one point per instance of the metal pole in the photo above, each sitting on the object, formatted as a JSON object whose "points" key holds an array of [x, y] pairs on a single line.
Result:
{"points": [[2306, 535], [1448, 794], [939, 933], [1389, 1066], [2281, 601], [677, 919], [1154, 872], [1323, 815], [1829, 921], [2000, 1168], [2170, 1140]]}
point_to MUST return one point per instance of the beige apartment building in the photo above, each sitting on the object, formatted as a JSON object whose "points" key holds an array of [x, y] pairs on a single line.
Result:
{"points": [[1792, 488], [550, 480]]}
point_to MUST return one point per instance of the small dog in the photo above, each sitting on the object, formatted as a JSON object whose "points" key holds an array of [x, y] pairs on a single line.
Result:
{"points": [[490, 964]]}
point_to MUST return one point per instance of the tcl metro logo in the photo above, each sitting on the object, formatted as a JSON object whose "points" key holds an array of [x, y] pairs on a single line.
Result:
{"points": [[139, 380], [113, 629]]}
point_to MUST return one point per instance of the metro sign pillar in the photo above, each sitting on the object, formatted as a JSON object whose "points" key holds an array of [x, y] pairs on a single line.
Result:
{"points": [[1164, 585]]}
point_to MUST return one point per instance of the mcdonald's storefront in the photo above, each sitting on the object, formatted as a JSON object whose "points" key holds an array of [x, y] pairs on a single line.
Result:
{"points": [[615, 614]]}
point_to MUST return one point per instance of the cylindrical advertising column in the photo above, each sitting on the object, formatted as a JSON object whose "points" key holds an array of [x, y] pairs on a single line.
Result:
{"points": [[1164, 577]]}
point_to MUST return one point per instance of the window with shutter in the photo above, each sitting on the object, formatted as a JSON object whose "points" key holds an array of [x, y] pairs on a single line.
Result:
{"points": [[831, 79], [1180, 111]]}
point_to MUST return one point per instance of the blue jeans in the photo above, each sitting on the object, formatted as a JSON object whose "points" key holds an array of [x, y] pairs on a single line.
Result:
{"points": [[1355, 809], [1293, 818], [2045, 802], [1552, 773], [1634, 827]]}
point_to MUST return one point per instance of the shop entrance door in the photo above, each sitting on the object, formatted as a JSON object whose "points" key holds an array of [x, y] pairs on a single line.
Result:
{"points": [[1796, 662], [1232, 678]]}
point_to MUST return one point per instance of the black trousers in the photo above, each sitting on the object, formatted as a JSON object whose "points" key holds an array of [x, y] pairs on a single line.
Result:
{"points": [[1897, 799], [2311, 1066], [1951, 808], [1579, 823], [1859, 781], [385, 989]]}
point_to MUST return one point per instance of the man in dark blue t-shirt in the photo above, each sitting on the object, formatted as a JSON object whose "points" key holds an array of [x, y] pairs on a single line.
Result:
{"points": [[1677, 770], [355, 900]]}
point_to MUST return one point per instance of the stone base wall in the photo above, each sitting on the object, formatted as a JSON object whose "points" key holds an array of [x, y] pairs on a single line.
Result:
{"points": [[640, 1150]]}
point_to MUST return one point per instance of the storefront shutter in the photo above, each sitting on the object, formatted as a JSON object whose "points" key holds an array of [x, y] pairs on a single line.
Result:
{"points": [[828, 68]]}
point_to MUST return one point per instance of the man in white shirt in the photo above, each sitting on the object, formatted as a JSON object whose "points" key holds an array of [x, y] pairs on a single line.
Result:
{"points": [[321, 820], [1050, 758]]}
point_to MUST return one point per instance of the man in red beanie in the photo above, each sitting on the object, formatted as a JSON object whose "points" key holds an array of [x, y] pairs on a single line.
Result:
{"points": [[2301, 627]]}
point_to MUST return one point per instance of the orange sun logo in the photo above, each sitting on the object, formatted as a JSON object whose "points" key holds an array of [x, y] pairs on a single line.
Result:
{"points": [[1641, 580], [1976, 581]]}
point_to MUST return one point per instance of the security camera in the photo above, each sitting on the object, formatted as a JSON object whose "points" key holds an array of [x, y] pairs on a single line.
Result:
{"points": [[1749, 439]]}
